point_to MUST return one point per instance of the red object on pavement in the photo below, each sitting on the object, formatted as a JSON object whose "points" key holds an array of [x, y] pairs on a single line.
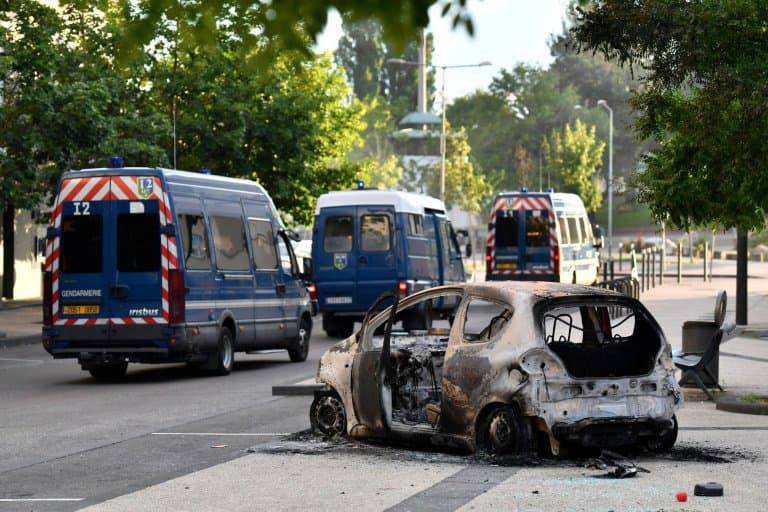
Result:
{"points": [[682, 496]]}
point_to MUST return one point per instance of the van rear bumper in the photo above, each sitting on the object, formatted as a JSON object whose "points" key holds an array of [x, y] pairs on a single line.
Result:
{"points": [[141, 344]]}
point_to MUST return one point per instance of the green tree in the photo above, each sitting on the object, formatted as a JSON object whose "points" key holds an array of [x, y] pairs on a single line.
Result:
{"points": [[573, 157], [362, 53], [379, 166], [706, 80]]}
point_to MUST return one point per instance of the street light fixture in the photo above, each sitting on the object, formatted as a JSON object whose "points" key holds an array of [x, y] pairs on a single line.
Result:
{"points": [[442, 94], [604, 104]]}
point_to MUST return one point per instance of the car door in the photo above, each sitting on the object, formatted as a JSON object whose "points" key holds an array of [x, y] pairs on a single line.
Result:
{"points": [[451, 264], [372, 373]]}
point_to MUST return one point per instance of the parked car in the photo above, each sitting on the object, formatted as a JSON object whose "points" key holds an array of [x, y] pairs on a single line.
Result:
{"points": [[368, 241], [155, 265], [513, 365]]}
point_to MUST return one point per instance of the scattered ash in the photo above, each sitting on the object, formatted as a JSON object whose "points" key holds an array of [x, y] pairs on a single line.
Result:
{"points": [[307, 443]]}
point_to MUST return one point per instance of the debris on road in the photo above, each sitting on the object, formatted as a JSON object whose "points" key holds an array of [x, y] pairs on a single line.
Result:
{"points": [[708, 489], [617, 466]]}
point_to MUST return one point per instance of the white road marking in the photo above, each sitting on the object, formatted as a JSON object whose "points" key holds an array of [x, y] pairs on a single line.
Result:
{"points": [[7, 500], [21, 360], [223, 434]]}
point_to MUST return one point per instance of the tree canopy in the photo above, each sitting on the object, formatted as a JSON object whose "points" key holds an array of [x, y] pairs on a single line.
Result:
{"points": [[704, 65]]}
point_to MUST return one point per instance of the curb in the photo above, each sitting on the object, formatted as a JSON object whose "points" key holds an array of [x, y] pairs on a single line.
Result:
{"points": [[729, 402], [20, 340]]}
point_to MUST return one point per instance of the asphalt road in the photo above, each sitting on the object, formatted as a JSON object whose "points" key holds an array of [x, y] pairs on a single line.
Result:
{"points": [[65, 436]]}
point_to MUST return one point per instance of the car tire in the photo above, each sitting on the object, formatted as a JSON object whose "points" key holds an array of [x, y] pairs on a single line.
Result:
{"points": [[503, 431], [107, 372], [665, 442], [221, 361], [298, 353], [327, 415]]}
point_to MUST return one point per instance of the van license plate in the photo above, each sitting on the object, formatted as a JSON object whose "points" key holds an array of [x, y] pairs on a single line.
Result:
{"points": [[510, 266], [81, 310], [338, 300]]}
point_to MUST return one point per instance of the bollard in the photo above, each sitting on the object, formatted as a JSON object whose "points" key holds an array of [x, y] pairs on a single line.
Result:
{"points": [[662, 258], [679, 260], [653, 266], [611, 266], [706, 253], [605, 271], [621, 255], [642, 270]]}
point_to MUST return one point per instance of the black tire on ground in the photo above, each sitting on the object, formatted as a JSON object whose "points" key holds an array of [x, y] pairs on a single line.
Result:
{"points": [[108, 371], [503, 431], [327, 415], [298, 353], [221, 361], [665, 442]]}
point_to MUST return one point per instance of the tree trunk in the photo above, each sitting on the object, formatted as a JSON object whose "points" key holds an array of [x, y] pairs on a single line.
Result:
{"points": [[741, 277], [8, 252]]}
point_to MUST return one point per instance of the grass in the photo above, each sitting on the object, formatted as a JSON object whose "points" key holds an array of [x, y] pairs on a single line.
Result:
{"points": [[754, 399]]}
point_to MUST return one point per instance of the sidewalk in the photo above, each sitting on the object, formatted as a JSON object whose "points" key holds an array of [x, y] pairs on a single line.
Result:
{"points": [[21, 322]]}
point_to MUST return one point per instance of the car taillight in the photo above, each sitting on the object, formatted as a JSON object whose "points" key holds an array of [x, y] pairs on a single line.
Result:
{"points": [[177, 296], [488, 258], [402, 288], [47, 298], [556, 259], [312, 289]]}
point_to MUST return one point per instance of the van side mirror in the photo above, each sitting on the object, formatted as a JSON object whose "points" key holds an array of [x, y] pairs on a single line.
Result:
{"points": [[306, 273], [490, 226]]}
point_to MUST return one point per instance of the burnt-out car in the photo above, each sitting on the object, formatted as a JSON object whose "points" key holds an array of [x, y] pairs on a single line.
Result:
{"points": [[510, 366]]}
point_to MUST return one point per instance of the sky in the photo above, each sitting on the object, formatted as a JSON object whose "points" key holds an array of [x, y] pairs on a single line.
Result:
{"points": [[506, 32]]}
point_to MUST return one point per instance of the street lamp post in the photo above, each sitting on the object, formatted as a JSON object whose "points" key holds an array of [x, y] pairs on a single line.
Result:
{"points": [[442, 95], [604, 104]]}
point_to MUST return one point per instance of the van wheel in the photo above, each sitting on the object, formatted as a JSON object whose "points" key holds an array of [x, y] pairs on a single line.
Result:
{"points": [[344, 327], [300, 350], [108, 371], [503, 431], [222, 360]]}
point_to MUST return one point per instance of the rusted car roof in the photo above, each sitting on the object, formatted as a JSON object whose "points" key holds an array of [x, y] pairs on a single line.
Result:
{"points": [[535, 289]]}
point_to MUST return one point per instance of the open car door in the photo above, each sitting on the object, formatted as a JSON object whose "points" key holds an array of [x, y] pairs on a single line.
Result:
{"points": [[372, 374]]}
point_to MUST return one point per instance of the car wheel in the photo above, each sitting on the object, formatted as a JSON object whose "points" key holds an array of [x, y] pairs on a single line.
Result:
{"points": [[300, 350], [327, 415], [665, 442], [222, 360], [504, 432], [108, 371]]}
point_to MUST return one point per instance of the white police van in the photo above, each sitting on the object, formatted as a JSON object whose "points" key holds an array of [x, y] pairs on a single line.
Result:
{"points": [[541, 236], [152, 265]]}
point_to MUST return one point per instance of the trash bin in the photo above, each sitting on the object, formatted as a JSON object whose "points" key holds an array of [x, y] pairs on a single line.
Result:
{"points": [[697, 334]]}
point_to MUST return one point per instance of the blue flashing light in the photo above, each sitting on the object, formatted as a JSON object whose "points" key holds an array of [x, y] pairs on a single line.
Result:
{"points": [[550, 190], [524, 190], [360, 184], [206, 171], [116, 162]]}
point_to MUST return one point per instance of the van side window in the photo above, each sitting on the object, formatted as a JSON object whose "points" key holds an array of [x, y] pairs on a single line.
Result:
{"points": [[573, 228], [564, 238], [415, 225], [338, 234], [194, 238], [81, 244], [484, 320], [506, 229], [537, 231], [264, 256], [285, 256], [374, 233], [586, 230], [138, 242], [229, 243]]}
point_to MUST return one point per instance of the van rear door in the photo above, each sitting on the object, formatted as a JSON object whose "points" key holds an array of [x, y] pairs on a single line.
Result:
{"points": [[334, 258], [112, 253], [376, 263]]}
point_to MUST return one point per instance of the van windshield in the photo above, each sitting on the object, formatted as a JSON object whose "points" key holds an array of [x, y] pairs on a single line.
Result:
{"points": [[81, 243], [506, 230]]}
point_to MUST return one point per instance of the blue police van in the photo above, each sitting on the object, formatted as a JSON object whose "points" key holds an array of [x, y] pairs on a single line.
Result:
{"points": [[368, 241], [541, 236], [152, 265]]}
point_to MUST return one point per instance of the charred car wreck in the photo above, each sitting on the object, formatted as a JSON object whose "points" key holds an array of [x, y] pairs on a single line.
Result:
{"points": [[510, 366]]}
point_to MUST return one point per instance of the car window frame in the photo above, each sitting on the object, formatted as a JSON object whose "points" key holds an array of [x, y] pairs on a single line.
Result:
{"points": [[464, 308]]}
